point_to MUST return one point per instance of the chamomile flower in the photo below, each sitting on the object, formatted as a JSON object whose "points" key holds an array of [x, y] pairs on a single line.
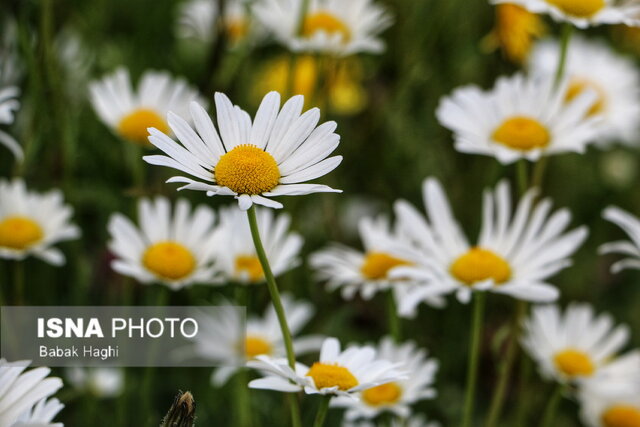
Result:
{"points": [[367, 273], [398, 396], [520, 118], [337, 373], [24, 394], [8, 105], [235, 253], [515, 255], [173, 248], [273, 156], [129, 113], [607, 410], [334, 27], [615, 78], [584, 13], [100, 382], [573, 346], [630, 225], [414, 421], [31, 223], [221, 339], [197, 19]]}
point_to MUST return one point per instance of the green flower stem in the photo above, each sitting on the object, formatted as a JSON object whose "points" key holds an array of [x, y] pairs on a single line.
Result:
{"points": [[523, 176], [567, 31], [322, 411], [552, 406], [277, 305], [392, 315], [293, 60], [474, 353]]}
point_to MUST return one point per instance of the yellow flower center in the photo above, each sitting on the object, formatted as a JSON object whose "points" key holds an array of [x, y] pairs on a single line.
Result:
{"points": [[579, 8], [325, 376], [134, 126], [247, 169], [327, 22], [621, 416], [169, 260], [385, 394], [577, 86], [255, 346], [376, 265], [573, 363], [18, 232], [250, 266], [480, 264], [522, 133], [516, 28]]}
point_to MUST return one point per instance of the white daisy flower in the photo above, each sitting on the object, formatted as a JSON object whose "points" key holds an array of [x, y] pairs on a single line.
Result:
{"points": [[619, 376], [8, 105], [573, 347], [220, 334], [235, 253], [630, 225], [100, 382], [367, 272], [337, 373], [273, 156], [398, 396], [130, 113], [24, 394], [516, 251], [414, 421], [520, 118], [173, 248], [31, 223], [198, 16], [606, 410], [584, 13], [330, 26], [615, 78]]}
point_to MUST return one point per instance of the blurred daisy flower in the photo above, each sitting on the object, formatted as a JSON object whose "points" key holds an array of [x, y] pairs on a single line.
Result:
{"points": [[615, 79], [630, 225], [130, 113], [337, 373], [584, 13], [9, 104], [334, 27], [235, 253], [343, 83], [516, 251], [573, 347], [521, 117], [367, 273], [173, 248], [395, 397], [220, 340], [31, 223], [99, 382], [273, 156], [413, 421], [24, 394], [606, 410], [515, 31], [198, 17]]}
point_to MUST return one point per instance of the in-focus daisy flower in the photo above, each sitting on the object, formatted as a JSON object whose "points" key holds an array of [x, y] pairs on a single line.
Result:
{"points": [[330, 26], [521, 117], [31, 223], [515, 31], [337, 373], [515, 255], [575, 346], [197, 20], [398, 396], [631, 225], [584, 13], [130, 113], [273, 156], [366, 273], [615, 78], [235, 253], [99, 382], [24, 394], [173, 248], [8, 105], [221, 342], [610, 410]]}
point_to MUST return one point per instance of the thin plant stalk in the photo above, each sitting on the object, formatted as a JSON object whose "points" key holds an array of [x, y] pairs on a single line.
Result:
{"points": [[322, 411], [474, 356], [293, 60], [392, 316], [277, 304], [551, 410], [567, 31]]}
